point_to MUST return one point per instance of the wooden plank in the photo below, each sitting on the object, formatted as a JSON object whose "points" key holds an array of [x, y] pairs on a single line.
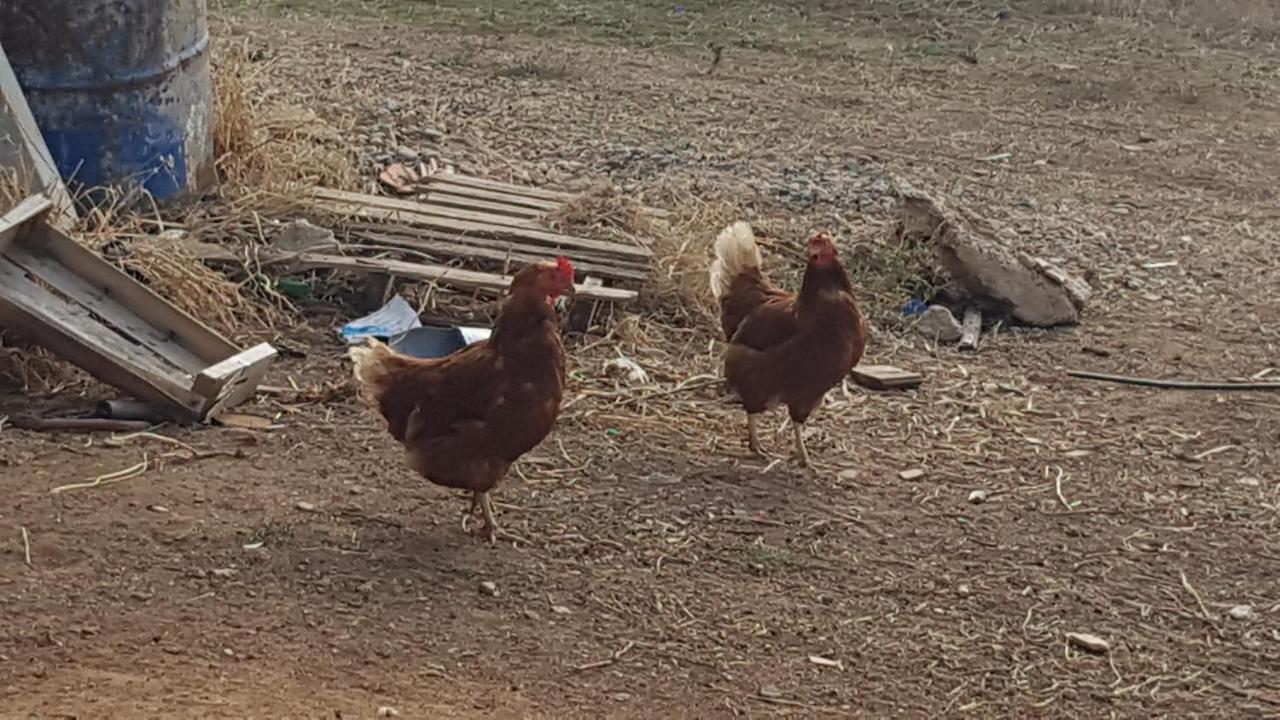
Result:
{"points": [[559, 197], [47, 179], [521, 254], [68, 331], [228, 383], [457, 277], [393, 203], [438, 222], [886, 377], [436, 198], [435, 187], [971, 329], [100, 303], [13, 222], [500, 244], [499, 186], [204, 343], [496, 223]]}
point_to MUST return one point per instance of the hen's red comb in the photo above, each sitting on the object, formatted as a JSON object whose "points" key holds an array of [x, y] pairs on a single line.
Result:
{"points": [[564, 266]]}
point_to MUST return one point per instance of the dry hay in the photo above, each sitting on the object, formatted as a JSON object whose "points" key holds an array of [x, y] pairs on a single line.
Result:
{"points": [[12, 190], [277, 147]]}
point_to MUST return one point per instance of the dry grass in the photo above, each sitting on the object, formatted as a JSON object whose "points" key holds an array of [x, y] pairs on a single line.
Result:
{"points": [[273, 148]]}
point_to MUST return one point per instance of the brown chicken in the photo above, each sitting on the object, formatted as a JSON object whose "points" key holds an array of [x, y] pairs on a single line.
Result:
{"points": [[465, 418], [783, 348]]}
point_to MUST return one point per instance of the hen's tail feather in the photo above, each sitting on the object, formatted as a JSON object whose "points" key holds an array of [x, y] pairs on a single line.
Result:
{"points": [[736, 250]]}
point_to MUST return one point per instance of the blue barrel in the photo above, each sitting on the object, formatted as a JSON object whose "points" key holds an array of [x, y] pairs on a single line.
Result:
{"points": [[121, 89]]}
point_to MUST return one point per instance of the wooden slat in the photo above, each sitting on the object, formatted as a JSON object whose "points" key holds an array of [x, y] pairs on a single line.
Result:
{"points": [[436, 198], [13, 222], [231, 381], [468, 279], [501, 245], [47, 180], [521, 227], [521, 254], [204, 343], [69, 331], [435, 187], [413, 206], [556, 197], [99, 302], [433, 220], [498, 186]]}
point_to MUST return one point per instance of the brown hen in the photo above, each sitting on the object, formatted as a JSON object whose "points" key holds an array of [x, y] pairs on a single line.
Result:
{"points": [[465, 418]]}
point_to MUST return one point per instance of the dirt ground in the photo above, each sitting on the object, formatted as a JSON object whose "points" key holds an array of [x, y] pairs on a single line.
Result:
{"points": [[304, 572]]}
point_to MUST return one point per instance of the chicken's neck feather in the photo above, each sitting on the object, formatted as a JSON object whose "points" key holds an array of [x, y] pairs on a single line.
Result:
{"points": [[819, 279], [524, 318]]}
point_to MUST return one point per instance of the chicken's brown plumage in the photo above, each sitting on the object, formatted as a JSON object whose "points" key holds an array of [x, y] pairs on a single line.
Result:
{"points": [[785, 348], [465, 418]]}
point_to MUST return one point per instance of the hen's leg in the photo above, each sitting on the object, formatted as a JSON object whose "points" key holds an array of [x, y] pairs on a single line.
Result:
{"points": [[490, 525], [471, 511], [753, 434], [801, 450]]}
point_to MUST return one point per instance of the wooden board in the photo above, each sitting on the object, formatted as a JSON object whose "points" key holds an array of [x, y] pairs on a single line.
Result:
{"points": [[886, 377], [18, 219], [232, 381], [373, 207], [68, 299], [22, 148], [444, 245], [511, 190], [457, 277]]}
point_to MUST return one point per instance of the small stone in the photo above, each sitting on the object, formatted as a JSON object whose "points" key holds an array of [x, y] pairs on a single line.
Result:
{"points": [[912, 474], [848, 475], [228, 652], [158, 508], [1241, 612], [489, 587], [407, 153], [937, 323], [964, 590], [621, 697], [1249, 481], [223, 572], [391, 105], [977, 497], [561, 610], [1089, 643], [305, 506], [388, 711]]}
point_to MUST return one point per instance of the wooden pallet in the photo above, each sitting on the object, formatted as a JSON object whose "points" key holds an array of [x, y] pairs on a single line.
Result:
{"points": [[474, 218], [63, 296]]}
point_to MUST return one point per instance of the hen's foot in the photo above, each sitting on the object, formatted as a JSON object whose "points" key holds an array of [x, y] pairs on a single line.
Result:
{"points": [[801, 451], [490, 528], [470, 511], [753, 438]]}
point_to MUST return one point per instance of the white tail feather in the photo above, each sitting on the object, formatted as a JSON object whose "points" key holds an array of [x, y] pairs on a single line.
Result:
{"points": [[736, 250]]}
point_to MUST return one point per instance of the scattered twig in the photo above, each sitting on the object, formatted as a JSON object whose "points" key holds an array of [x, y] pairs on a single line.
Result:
{"points": [[128, 473], [607, 661], [1186, 585], [26, 545], [1057, 486], [1175, 384]]}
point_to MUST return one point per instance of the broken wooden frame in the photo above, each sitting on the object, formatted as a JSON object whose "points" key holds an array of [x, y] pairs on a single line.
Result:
{"points": [[63, 296]]}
